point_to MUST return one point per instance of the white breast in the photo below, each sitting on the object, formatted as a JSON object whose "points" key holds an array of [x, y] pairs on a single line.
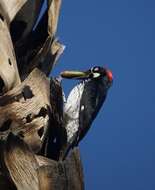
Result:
{"points": [[71, 110]]}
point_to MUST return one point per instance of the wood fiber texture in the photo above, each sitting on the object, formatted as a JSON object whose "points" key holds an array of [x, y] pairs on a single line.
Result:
{"points": [[29, 109]]}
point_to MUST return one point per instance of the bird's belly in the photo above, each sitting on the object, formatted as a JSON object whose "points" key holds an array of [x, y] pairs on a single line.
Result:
{"points": [[72, 123], [72, 128], [71, 110]]}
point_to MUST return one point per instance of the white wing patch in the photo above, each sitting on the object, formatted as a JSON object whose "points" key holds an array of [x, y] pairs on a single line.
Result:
{"points": [[82, 107], [71, 110]]}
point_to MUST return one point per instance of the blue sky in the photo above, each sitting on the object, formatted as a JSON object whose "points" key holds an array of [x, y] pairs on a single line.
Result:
{"points": [[119, 150]]}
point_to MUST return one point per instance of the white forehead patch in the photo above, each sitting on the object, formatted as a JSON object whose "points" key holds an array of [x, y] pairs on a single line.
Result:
{"points": [[95, 75]]}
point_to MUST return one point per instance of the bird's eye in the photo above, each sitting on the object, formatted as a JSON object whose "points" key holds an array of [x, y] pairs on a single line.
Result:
{"points": [[96, 69]]}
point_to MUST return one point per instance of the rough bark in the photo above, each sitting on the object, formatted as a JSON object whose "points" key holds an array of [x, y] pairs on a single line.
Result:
{"points": [[25, 110], [30, 103], [24, 170]]}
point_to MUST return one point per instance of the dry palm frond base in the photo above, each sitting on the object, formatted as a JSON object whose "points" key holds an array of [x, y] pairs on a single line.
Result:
{"points": [[32, 136]]}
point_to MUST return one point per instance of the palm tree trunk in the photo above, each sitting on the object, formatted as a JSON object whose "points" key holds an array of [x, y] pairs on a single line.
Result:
{"points": [[27, 56]]}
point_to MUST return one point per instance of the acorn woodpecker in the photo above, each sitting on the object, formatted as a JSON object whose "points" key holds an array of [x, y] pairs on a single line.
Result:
{"points": [[84, 101]]}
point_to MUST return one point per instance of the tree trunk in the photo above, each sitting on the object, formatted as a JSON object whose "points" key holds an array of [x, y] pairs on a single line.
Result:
{"points": [[30, 102]]}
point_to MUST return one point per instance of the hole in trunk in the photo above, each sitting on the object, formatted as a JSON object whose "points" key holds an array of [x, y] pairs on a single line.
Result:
{"points": [[28, 118], [43, 112], [6, 125], [10, 63], [40, 132], [27, 93], [2, 85], [21, 134], [1, 17]]}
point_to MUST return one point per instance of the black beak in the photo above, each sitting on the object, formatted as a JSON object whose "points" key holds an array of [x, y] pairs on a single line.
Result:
{"points": [[76, 74]]}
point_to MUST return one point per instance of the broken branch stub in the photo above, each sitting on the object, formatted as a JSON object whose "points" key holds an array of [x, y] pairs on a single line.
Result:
{"points": [[25, 110]]}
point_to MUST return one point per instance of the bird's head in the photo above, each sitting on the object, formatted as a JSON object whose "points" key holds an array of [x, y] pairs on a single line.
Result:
{"points": [[96, 73]]}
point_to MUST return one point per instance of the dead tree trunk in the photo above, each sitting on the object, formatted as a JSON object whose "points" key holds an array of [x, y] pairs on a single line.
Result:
{"points": [[28, 107]]}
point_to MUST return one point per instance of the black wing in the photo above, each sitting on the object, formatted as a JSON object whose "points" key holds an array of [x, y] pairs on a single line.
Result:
{"points": [[92, 100]]}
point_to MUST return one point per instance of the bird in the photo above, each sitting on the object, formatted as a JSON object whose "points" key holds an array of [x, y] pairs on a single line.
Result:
{"points": [[84, 102]]}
